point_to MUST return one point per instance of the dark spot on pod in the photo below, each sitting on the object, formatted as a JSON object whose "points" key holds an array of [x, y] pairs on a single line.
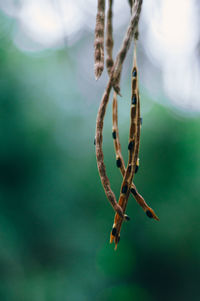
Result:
{"points": [[114, 134], [122, 55], [127, 218], [125, 188], [114, 231], [141, 120], [109, 63], [118, 162], [133, 191], [131, 145], [117, 89], [136, 35], [94, 141], [134, 73], [136, 168], [149, 214], [134, 99], [129, 168]]}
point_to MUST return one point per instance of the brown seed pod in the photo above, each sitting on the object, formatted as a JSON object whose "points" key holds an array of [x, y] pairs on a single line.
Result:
{"points": [[139, 199], [102, 108], [109, 38], [134, 141], [99, 151], [99, 39]]}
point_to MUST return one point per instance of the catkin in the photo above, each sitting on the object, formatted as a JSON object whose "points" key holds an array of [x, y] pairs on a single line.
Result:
{"points": [[99, 39]]}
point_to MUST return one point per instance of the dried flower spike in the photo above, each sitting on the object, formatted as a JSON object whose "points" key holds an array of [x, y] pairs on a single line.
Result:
{"points": [[99, 39]]}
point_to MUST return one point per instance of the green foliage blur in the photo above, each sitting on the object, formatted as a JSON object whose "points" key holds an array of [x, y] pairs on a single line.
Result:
{"points": [[55, 220]]}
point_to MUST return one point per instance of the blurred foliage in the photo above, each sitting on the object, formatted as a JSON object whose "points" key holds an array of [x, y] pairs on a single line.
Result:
{"points": [[54, 217]]}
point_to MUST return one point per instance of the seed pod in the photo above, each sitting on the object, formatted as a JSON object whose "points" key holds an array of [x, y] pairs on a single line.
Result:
{"points": [[109, 38], [134, 139], [99, 39], [99, 152]]}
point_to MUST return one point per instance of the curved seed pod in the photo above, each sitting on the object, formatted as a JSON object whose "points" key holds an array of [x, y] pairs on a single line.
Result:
{"points": [[99, 151], [132, 28], [133, 147], [115, 133], [109, 38], [99, 39]]}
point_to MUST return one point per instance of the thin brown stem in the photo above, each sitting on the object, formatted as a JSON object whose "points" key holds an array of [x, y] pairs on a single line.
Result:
{"points": [[132, 28]]}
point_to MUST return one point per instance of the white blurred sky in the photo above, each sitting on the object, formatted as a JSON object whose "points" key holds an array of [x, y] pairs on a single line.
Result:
{"points": [[171, 36]]}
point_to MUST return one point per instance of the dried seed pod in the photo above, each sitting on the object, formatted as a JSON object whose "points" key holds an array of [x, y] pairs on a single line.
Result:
{"points": [[109, 38], [99, 39], [134, 135], [113, 82], [99, 151], [139, 199]]}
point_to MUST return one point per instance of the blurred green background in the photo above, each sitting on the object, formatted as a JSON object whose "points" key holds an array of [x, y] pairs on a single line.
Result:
{"points": [[55, 220]]}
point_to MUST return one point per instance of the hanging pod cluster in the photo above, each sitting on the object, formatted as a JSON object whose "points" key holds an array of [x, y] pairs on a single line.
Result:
{"points": [[114, 69]]}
